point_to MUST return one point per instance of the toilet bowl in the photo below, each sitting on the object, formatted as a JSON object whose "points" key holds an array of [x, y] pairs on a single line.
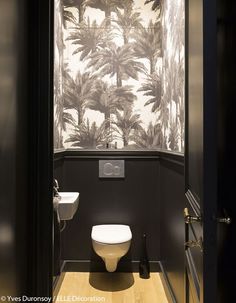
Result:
{"points": [[111, 242]]}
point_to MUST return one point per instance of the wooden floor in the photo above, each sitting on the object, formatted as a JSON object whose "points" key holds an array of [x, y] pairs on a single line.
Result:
{"points": [[111, 288]]}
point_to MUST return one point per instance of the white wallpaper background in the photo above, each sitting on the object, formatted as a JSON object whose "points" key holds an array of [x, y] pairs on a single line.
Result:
{"points": [[119, 74]]}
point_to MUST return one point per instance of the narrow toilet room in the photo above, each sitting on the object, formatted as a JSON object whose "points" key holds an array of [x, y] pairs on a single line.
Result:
{"points": [[119, 73], [117, 166]]}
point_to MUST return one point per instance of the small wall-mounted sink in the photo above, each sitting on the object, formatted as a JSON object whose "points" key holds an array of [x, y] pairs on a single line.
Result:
{"points": [[68, 205]]}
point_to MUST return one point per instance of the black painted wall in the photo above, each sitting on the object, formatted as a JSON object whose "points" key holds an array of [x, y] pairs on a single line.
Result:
{"points": [[13, 148], [134, 201], [58, 169], [151, 199], [172, 223]]}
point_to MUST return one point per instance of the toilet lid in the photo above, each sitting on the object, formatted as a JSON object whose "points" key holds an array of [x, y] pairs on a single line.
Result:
{"points": [[111, 234]]}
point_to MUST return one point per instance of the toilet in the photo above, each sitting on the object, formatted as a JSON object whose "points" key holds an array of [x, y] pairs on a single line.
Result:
{"points": [[111, 242]]}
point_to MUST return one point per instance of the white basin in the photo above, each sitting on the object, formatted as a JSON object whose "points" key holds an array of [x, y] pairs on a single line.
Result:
{"points": [[68, 205]]}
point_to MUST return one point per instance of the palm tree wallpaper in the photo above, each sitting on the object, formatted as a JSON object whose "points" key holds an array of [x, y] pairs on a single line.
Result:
{"points": [[119, 74]]}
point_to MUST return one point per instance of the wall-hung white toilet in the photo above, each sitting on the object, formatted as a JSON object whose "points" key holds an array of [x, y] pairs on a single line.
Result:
{"points": [[111, 242]]}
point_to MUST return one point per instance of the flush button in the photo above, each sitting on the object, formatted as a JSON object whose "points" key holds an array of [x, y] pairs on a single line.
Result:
{"points": [[111, 169], [116, 170], [108, 169]]}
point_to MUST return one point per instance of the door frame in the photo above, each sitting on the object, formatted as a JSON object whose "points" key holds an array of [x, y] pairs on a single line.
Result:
{"points": [[206, 204], [41, 44], [41, 47]]}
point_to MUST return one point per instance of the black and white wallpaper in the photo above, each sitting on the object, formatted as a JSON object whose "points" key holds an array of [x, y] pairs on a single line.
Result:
{"points": [[119, 74]]}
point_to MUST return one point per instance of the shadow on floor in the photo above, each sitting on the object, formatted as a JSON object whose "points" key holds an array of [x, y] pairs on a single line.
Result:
{"points": [[106, 281]]}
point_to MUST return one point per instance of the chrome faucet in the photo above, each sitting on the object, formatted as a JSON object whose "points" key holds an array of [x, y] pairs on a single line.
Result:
{"points": [[55, 188]]}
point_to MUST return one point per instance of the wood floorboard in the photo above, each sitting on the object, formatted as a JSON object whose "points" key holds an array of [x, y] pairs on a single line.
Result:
{"points": [[111, 288]]}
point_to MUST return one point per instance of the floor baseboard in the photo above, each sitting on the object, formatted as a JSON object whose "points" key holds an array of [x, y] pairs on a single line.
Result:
{"points": [[99, 266]]}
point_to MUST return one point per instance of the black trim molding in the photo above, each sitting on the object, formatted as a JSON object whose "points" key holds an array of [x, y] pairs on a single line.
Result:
{"points": [[192, 273], [166, 284], [193, 202], [175, 158], [98, 266], [58, 280]]}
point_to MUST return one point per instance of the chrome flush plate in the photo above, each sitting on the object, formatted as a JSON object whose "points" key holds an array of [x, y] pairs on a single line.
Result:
{"points": [[111, 168]]}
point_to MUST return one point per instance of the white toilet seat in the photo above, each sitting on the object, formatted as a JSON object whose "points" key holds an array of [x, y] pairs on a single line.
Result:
{"points": [[111, 233]]}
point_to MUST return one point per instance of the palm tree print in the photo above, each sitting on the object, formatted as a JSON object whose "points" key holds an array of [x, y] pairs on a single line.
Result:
{"points": [[148, 43], [152, 88], [109, 99], [116, 61], [163, 117], [89, 136], [58, 78], [124, 82], [127, 22], [78, 4], [156, 4], [173, 137], [89, 37], [151, 138], [108, 6], [126, 124], [79, 91], [68, 17]]}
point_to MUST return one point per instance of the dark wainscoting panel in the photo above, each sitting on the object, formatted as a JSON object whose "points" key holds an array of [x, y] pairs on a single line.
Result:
{"points": [[151, 199], [58, 168], [172, 223], [134, 201]]}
